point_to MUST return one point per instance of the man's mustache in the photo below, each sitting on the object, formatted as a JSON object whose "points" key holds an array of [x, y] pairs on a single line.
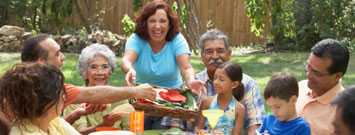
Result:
{"points": [[215, 61]]}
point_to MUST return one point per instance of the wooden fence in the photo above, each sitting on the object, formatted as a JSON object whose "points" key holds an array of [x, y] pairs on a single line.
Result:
{"points": [[227, 15]]}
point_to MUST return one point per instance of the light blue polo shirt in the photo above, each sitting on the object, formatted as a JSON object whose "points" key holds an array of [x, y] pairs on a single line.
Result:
{"points": [[160, 69]]}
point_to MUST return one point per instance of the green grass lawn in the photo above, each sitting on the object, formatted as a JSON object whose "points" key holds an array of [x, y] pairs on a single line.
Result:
{"points": [[259, 66]]}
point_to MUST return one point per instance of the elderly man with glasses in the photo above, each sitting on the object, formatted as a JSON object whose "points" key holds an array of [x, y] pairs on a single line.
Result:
{"points": [[326, 65]]}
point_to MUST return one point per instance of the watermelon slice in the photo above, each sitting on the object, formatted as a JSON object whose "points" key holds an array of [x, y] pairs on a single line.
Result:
{"points": [[172, 96], [145, 101]]}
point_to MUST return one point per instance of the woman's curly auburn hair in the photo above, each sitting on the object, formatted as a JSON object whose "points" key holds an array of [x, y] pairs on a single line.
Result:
{"points": [[28, 90], [148, 10]]}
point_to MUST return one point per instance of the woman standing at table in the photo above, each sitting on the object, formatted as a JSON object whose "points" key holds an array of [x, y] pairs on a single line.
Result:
{"points": [[157, 53]]}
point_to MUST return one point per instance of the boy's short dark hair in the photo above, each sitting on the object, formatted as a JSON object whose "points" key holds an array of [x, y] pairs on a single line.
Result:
{"points": [[281, 85], [345, 102]]}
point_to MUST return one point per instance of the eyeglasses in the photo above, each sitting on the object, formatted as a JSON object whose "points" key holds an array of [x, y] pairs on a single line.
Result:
{"points": [[309, 69], [99, 67], [212, 51]]}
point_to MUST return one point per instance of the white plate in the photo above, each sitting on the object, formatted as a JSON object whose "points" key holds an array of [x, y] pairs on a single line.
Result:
{"points": [[112, 133]]}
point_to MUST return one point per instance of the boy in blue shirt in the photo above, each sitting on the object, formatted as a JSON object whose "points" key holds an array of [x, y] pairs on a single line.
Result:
{"points": [[281, 94]]}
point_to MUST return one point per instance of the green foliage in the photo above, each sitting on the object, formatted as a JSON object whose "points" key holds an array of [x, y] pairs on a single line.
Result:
{"points": [[282, 18], [128, 25], [40, 15], [283, 21], [303, 22], [83, 34], [319, 19], [334, 18], [3, 11], [181, 10], [257, 11], [350, 44], [137, 4]]}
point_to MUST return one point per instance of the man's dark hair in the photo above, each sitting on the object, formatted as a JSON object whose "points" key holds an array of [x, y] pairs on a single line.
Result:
{"points": [[28, 90], [346, 101], [281, 85], [32, 50], [330, 48]]}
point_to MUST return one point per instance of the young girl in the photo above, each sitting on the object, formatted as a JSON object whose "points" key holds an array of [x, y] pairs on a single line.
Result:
{"points": [[32, 95], [230, 90]]}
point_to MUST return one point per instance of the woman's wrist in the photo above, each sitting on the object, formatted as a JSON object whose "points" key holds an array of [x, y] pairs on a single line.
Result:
{"points": [[189, 75], [129, 70], [127, 66]]}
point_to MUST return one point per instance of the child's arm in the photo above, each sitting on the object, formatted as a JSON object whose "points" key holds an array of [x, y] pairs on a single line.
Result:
{"points": [[239, 121], [205, 103]]}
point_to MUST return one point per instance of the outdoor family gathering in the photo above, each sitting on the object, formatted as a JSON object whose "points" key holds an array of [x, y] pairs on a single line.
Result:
{"points": [[177, 67]]}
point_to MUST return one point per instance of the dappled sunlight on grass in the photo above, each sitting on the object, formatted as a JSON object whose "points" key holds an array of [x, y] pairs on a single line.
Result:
{"points": [[264, 65], [7, 60], [266, 60], [243, 59], [260, 66], [262, 81]]}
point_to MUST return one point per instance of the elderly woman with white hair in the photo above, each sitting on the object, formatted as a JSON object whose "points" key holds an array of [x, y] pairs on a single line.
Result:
{"points": [[96, 64]]}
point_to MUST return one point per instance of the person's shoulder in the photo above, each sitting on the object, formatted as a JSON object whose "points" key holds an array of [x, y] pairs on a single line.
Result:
{"points": [[66, 128], [302, 82], [15, 130], [247, 77], [302, 122], [302, 126], [203, 76], [135, 37], [239, 106], [179, 37], [270, 117], [269, 120], [248, 82], [303, 85], [28, 130]]}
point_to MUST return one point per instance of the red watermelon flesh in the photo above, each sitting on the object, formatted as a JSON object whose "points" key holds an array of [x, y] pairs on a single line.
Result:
{"points": [[172, 96]]}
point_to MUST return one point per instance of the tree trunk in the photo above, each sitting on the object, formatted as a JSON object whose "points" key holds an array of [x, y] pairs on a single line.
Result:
{"points": [[193, 29]]}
